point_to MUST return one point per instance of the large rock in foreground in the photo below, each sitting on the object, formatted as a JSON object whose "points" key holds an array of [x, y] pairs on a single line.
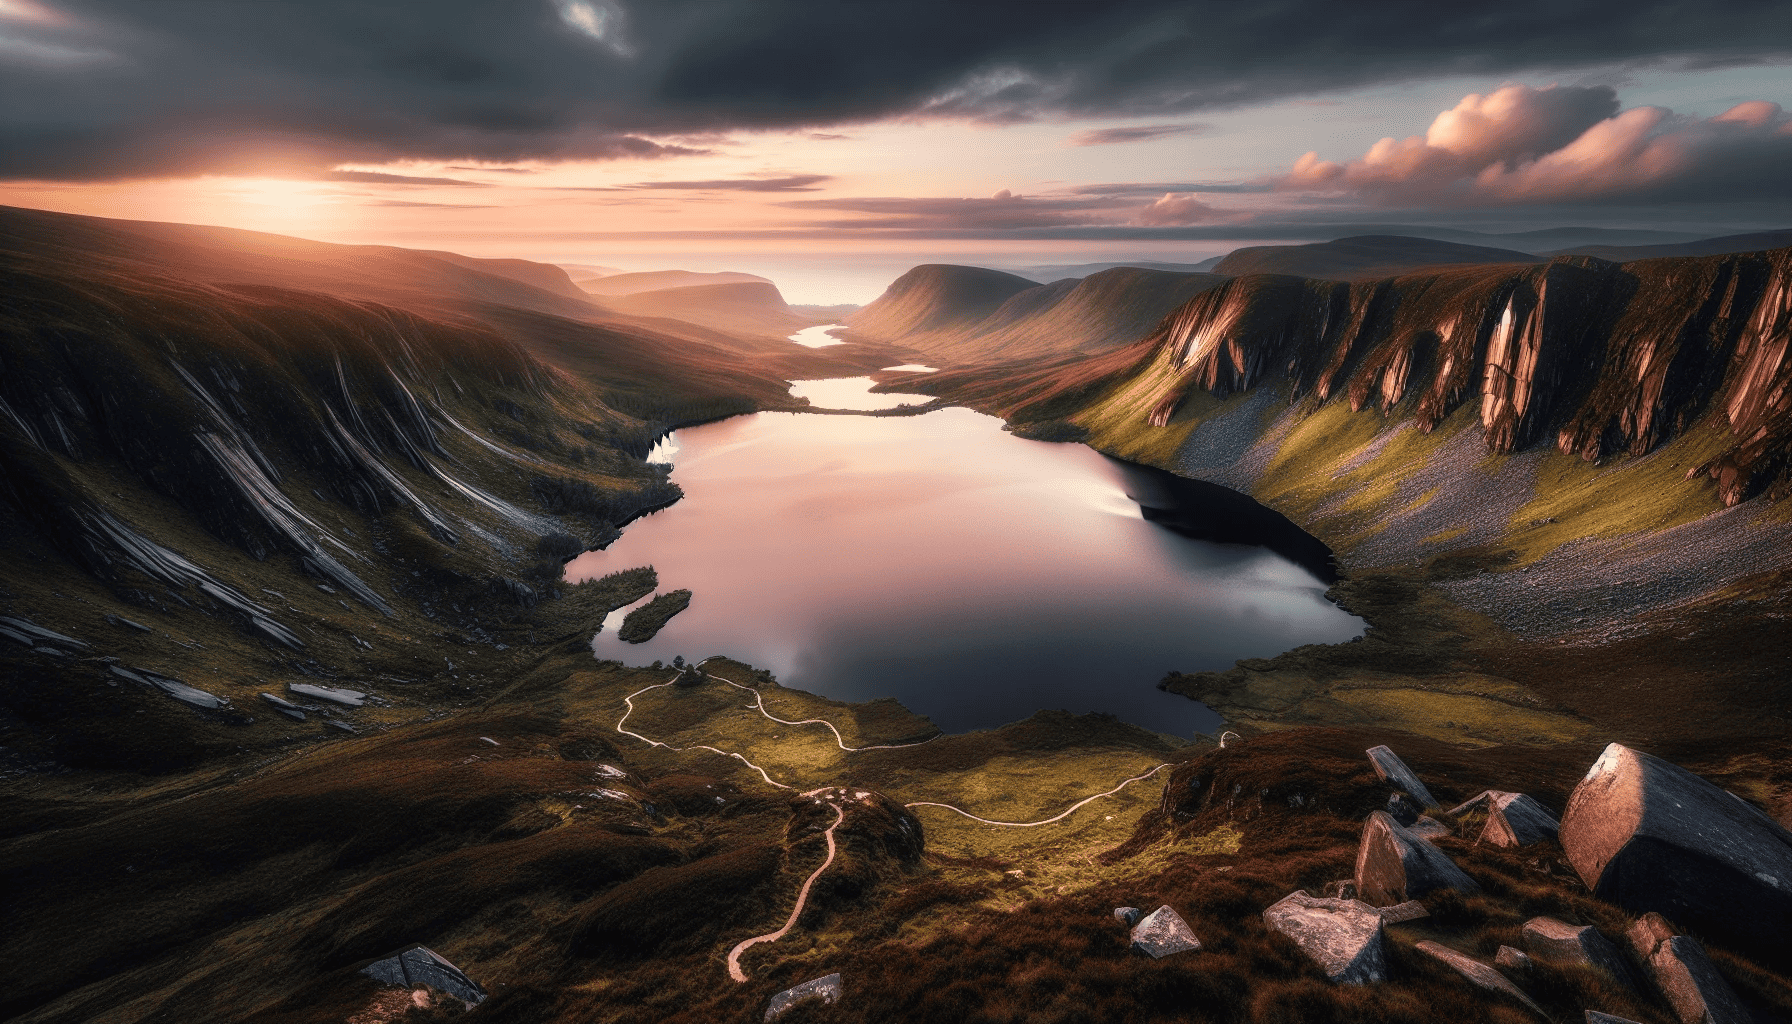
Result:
{"points": [[1344, 937], [1393, 865], [1559, 944], [1651, 836]]}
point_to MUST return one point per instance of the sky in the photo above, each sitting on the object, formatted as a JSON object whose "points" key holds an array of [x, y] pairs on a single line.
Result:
{"points": [[832, 144]]}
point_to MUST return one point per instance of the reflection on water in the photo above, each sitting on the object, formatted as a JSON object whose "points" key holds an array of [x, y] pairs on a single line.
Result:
{"points": [[818, 337], [911, 368], [974, 576], [850, 393]]}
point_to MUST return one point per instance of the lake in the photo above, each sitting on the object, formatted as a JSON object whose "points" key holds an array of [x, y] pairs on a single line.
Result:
{"points": [[975, 576]]}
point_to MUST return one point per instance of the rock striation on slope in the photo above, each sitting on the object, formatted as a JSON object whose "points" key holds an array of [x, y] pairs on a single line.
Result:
{"points": [[1595, 357]]}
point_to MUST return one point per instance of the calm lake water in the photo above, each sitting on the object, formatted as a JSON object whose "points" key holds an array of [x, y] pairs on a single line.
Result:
{"points": [[972, 575]]}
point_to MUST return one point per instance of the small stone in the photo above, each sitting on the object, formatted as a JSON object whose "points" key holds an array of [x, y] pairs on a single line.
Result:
{"points": [[1400, 913], [285, 707], [1514, 960], [1394, 771], [1163, 932], [1558, 944], [1393, 865], [1478, 973], [420, 965], [1128, 916], [1344, 937], [1514, 819], [1342, 889], [333, 694], [827, 989]]}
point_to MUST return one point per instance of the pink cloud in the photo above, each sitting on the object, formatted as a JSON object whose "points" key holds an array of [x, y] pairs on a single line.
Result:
{"points": [[1519, 144], [1179, 209]]}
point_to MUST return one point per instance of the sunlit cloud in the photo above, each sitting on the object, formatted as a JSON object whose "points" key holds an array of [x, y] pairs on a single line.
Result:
{"points": [[1565, 143], [602, 20]]}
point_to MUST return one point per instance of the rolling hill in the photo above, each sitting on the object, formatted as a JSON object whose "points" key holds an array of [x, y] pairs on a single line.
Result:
{"points": [[1363, 257]]}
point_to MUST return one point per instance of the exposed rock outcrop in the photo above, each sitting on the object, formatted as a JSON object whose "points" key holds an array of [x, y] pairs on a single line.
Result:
{"points": [[420, 965], [1649, 835], [1344, 937], [1394, 866]]}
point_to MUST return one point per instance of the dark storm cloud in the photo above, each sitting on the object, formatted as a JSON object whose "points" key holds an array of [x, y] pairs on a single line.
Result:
{"points": [[119, 88], [1136, 133]]}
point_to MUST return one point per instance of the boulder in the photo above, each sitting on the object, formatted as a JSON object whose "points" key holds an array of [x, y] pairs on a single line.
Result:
{"points": [[827, 989], [1128, 916], [1393, 865], [1560, 944], [1514, 819], [1472, 803], [1649, 835], [1163, 932], [1482, 975], [1394, 772], [1686, 976], [1344, 937]]}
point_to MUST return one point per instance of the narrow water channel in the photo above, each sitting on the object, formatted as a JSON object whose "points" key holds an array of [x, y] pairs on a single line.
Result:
{"points": [[974, 576]]}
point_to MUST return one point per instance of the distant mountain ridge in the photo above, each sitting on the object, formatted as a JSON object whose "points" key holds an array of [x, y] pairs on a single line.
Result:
{"points": [[1362, 257], [656, 280], [972, 314]]}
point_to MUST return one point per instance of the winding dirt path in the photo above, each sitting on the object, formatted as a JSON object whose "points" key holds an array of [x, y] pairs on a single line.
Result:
{"points": [[802, 899]]}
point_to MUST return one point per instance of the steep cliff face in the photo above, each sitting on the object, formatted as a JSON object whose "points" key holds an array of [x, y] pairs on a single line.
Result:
{"points": [[1594, 357]]}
